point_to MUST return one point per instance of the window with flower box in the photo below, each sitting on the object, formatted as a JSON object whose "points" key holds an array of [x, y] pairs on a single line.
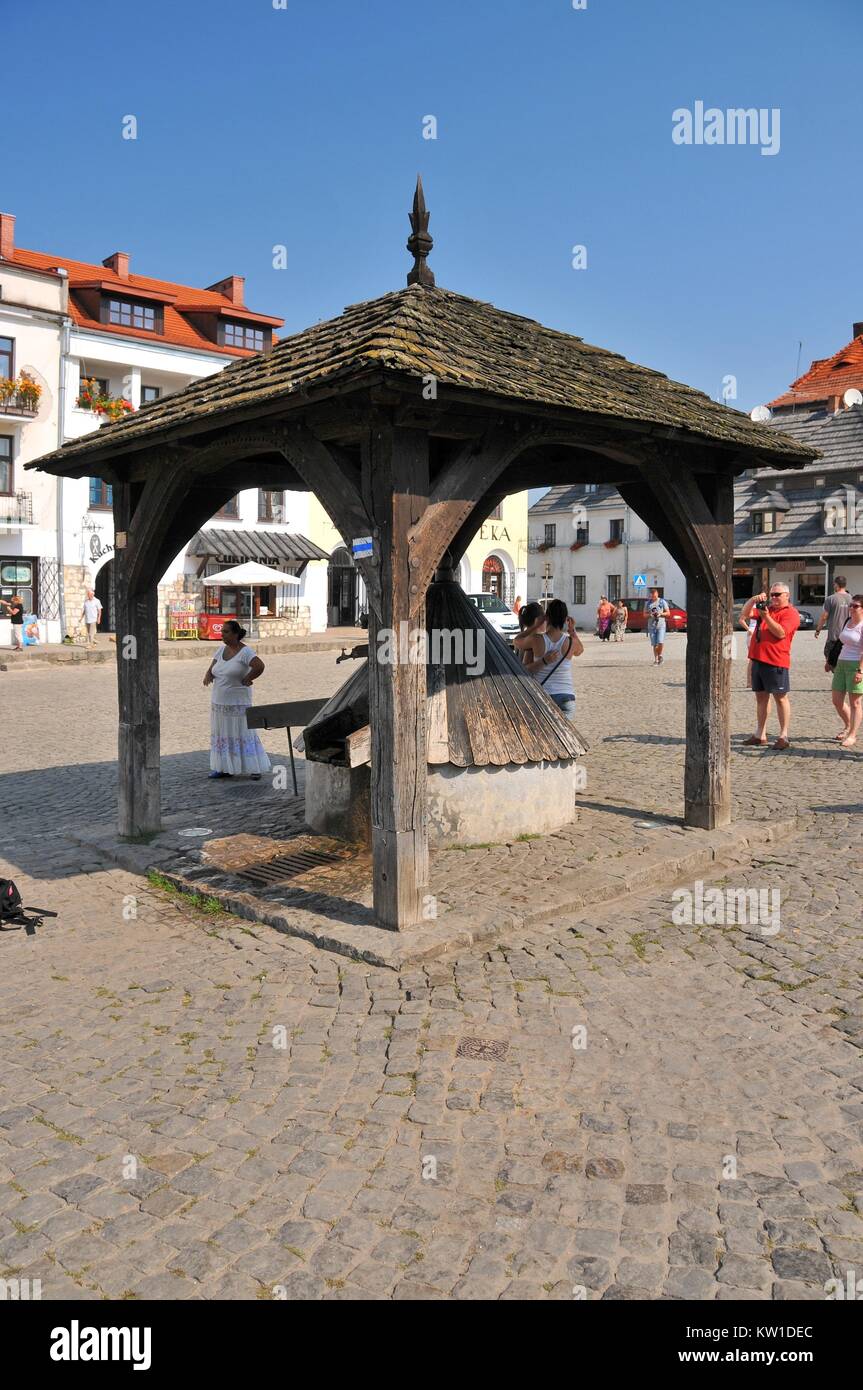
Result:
{"points": [[7, 358]]}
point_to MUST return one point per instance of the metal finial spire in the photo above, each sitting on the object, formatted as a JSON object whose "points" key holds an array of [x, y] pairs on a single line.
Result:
{"points": [[419, 242]]}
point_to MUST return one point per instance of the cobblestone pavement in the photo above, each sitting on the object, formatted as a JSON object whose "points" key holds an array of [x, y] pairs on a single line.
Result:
{"points": [[618, 1105]]}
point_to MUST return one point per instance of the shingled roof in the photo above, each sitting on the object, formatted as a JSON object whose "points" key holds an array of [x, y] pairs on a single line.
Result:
{"points": [[801, 531], [423, 331]]}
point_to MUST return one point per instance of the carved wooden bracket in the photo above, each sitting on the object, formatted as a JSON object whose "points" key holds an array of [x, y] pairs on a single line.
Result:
{"points": [[702, 537]]}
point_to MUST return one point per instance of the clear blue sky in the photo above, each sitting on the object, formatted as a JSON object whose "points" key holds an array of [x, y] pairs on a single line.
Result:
{"points": [[304, 127]]}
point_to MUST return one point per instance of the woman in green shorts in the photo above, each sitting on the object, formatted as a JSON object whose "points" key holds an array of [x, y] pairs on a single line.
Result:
{"points": [[848, 676]]}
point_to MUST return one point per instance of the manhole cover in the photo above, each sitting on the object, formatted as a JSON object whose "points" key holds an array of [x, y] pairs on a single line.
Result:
{"points": [[484, 1048], [195, 831], [285, 866]]}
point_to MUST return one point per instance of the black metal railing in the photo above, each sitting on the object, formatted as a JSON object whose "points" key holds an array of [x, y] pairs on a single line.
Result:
{"points": [[12, 406], [17, 510]]}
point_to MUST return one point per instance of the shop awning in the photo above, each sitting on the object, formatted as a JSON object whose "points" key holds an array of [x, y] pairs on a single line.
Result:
{"points": [[267, 547]]}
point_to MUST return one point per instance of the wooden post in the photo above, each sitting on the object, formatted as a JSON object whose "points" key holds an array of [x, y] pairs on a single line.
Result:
{"points": [[396, 470], [139, 792], [707, 781], [693, 516]]}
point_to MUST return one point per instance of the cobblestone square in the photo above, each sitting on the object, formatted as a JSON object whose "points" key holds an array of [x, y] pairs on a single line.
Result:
{"points": [[628, 1102]]}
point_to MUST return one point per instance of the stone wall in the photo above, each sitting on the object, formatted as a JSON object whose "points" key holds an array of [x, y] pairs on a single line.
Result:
{"points": [[297, 623], [184, 589], [77, 579]]}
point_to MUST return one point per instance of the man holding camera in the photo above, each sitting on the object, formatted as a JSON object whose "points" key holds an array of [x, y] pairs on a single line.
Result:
{"points": [[776, 622]]}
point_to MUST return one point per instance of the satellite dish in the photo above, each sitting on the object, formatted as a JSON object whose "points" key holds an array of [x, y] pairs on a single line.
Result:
{"points": [[853, 396], [761, 414]]}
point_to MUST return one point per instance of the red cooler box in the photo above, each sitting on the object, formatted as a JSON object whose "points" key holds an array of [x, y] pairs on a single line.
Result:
{"points": [[210, 626]]}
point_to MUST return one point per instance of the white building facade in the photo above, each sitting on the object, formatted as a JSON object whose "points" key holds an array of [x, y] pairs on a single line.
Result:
{"points": [[584, 542], [74, 336]]}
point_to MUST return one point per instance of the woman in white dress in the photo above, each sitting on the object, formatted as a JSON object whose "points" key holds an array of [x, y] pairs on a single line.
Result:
{"points": [[235, 749]]}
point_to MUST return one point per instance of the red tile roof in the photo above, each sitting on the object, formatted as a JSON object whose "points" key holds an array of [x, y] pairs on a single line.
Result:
{"points": [[178, 330], [828, 376]]}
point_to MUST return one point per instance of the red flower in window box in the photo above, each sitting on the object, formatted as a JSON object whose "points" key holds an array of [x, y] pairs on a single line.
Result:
{"points": [[578, 545], [611, 545]]}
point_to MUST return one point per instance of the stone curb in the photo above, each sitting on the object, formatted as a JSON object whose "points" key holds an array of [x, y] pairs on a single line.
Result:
{"points": [[182, 651], [640, 873]]}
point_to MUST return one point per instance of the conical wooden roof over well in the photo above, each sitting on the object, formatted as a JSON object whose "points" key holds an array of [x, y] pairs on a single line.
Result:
{"points": [[499, 716]]}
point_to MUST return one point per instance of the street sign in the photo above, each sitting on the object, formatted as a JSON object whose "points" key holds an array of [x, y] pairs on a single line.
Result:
{"points": [[640, 581]]}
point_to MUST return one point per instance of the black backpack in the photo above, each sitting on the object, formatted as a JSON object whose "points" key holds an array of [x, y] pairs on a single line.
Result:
{"points": [[11, 903], [12, 909]]}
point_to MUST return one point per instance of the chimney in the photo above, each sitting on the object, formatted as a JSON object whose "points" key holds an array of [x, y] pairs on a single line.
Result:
{"points": [[7, 236], [119, 263], [858, 330], [232, 287]]}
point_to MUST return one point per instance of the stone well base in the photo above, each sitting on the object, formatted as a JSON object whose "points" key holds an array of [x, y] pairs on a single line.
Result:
{"points": [[466, 805]]}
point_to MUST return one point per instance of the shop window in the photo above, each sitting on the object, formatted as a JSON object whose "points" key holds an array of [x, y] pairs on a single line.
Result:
{"points": [[810, 587]]}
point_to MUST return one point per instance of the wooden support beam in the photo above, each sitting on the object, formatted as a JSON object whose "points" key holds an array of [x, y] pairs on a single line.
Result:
{"points": [[699, 511], [395, 463], [707, 778], [333, 476], [468, 529], [138, 748]]}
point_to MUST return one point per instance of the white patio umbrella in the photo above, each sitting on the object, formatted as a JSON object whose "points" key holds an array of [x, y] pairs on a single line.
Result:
{"points": [[251, 575]]}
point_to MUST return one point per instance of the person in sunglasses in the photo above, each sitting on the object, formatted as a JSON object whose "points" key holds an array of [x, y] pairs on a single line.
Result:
{"points": [[848, 675], [776, 622]]}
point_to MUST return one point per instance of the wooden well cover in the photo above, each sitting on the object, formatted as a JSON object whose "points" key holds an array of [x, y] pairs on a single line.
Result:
{"points": [[499, 716]]}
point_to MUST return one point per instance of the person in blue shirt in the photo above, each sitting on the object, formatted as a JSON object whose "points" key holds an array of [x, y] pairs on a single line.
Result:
{"points": [[657, 613]]}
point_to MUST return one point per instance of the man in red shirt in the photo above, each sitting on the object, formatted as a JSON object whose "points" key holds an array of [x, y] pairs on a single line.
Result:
{"points": [[776, 622]]}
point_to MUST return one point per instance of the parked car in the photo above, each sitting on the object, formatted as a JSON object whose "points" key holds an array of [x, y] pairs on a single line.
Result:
{"points": [[495, 611], [675, 622]]}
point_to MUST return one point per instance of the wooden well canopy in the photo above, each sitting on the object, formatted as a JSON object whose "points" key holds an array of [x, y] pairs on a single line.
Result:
{"points": [[411, 417]]}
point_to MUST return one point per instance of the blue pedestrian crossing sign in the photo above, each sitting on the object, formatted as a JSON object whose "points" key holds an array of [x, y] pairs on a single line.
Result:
{"points": [[640, 581]]}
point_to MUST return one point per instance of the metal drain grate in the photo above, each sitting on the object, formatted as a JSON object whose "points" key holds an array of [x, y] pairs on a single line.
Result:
{"points": [[484, 1048], [285, 866]]}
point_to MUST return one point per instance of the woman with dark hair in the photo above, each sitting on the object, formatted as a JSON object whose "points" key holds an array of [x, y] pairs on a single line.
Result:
{"points": [[558, 644], [528, 643], [235, 750], [848, 675]]}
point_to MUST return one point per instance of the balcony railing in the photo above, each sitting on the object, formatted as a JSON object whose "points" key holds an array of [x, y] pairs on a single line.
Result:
{"points": [[19, 412], [17, 510]]}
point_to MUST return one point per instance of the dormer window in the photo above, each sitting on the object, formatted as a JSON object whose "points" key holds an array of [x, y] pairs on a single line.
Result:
{"points": [[242, 335], [131, 313], [763, 523]]}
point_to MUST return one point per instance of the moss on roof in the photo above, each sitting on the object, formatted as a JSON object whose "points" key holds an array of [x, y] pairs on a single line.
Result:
{"points": [[463, 343]]}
